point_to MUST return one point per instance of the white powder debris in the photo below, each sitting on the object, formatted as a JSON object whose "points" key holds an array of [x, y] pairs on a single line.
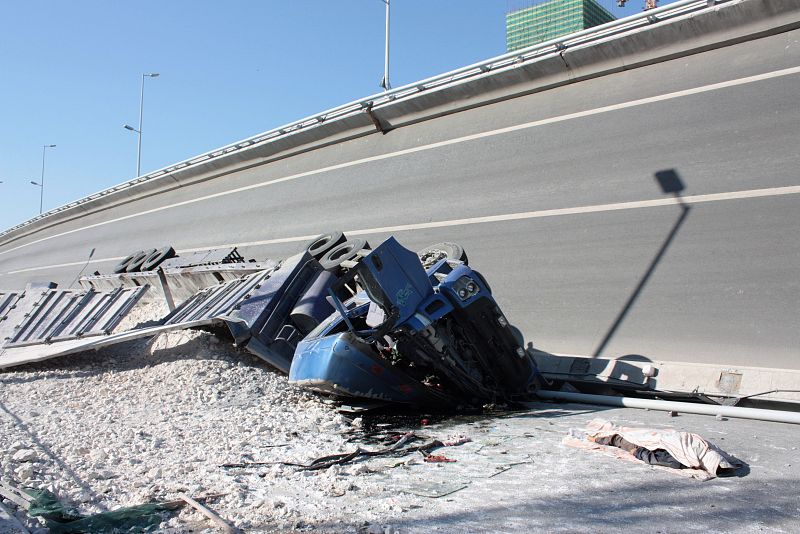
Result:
{"points": [[150, 419], [24, 455]]}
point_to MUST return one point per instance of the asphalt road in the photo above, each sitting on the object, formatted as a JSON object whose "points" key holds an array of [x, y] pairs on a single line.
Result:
{"points": [[623, 268]]}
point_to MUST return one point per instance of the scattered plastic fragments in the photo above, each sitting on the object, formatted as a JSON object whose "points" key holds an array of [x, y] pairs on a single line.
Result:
{"points": [[438, 459], [399, 448]]}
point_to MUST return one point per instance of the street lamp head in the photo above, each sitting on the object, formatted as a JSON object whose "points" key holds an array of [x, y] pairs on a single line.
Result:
{"points": [[49, 146], [37, 184], [131, 128], [152, 75]]}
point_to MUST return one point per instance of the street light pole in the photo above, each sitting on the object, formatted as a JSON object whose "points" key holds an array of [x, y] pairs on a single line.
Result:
{"points": [[41, 183], [385, 82], [141, 116]]}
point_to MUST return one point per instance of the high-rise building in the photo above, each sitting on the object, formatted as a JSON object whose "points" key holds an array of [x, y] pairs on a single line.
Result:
{"points": [[548, 20]]}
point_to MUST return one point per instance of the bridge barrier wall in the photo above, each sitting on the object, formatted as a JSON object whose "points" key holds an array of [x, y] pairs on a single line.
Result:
{"points": [[715, 27]]}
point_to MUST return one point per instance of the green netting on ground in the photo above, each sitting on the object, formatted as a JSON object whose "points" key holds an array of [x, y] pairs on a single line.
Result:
{"points": [[62, 520]]}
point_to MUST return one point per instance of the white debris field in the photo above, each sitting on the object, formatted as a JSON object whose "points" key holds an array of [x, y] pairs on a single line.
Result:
{"points": [[150, 420]]}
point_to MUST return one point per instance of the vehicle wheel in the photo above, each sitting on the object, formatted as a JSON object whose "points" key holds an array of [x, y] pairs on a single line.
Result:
{"points": [[137, 261], [346, 251], [123, 265], [432, 254], [321, 244], [155, 259]]}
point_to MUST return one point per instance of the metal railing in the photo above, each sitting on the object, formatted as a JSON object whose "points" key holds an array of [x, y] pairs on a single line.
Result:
{"points": [[491, 66]]}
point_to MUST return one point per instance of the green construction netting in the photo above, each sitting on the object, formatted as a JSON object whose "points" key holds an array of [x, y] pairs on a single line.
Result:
{"points": [[61, 520]]}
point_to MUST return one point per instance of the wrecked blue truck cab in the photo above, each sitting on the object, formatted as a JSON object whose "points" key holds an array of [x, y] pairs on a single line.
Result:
{"points": [[415, 337]]}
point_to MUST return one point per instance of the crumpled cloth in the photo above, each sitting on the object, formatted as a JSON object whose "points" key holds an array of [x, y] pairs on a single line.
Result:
{"points": [[692, 450]]}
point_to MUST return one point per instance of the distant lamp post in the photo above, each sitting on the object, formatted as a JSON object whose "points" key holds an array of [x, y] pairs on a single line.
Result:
{"points": [[41, 187], [385, 81], [139, 130], [40, 184]]}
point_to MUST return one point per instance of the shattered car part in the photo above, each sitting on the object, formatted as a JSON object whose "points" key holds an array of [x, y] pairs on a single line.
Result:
{"points": [[63, 314], [184, 282], [257, 310], [44, 314], [408, 336], [8, 301], [262, 321], [215, 256], [415, 337]]}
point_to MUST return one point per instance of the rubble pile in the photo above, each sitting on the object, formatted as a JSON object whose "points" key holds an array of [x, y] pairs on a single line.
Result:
{"points": [[185, 413], [146, 421]]}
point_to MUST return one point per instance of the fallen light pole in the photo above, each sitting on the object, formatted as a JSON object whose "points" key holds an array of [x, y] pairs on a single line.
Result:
{"points": [[685, 407]]}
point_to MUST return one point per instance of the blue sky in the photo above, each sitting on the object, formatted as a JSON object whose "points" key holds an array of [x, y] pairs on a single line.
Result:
{"points": [[70, 75]]}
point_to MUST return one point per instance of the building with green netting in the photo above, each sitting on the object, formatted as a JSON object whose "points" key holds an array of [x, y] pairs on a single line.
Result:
{"points": [[548, 20]]}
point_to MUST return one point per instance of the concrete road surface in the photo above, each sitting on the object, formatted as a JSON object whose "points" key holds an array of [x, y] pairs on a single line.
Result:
{"points": [[555, 198], [558, 488]]}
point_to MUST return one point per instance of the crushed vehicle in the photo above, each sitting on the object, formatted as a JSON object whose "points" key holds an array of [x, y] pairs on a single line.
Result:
{"points": [[416, 337], [339, 318]]}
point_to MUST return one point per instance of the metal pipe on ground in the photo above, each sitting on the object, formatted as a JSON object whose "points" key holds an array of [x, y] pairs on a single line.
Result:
{"points": [[776, 416]]}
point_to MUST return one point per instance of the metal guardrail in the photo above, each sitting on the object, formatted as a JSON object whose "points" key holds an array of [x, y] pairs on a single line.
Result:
{"points": [[476, 70]]}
